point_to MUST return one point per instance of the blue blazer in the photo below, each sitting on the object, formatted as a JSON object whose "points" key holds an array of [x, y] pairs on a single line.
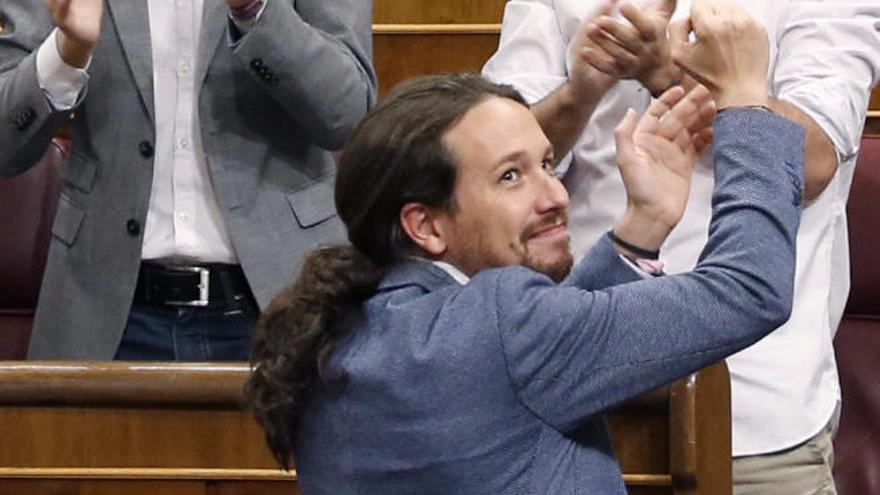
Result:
{"points": [[498, 386]]}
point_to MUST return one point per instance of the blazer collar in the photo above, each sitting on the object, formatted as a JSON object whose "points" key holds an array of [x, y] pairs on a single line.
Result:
{"points": [[215, 19], [416, 272], [132, 21]]}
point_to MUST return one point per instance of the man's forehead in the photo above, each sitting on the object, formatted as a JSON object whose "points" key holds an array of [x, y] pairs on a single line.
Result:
{"points": [[493, 128]]}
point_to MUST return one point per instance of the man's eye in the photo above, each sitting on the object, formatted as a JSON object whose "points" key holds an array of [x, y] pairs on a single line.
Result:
{"points": [[547, 165], [510, 175]]}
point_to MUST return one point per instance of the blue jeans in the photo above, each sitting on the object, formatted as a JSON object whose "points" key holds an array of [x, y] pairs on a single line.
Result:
{"points": [[169, 333]]}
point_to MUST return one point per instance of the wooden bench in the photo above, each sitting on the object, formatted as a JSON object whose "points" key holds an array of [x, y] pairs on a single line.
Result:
{"points": [[108, 428]]}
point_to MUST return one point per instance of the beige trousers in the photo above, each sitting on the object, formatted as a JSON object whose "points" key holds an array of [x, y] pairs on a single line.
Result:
{"points": [[801, 470]]}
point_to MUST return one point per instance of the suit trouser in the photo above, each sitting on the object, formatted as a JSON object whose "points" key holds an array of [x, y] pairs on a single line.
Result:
{"points": [[801, 470]]}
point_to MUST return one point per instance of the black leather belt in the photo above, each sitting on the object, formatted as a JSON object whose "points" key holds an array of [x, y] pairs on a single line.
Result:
{"points": [[215, 286]]}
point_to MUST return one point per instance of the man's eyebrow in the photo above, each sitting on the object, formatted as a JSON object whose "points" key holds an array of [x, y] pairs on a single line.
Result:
{"points": [[518, 155], [514, 156]]}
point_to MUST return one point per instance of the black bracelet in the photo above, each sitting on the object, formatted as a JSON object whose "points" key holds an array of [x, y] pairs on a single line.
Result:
{"points": [[640, 252]]}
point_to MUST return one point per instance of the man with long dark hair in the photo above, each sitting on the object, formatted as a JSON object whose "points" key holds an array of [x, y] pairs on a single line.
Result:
{"points": [[452, 348]]}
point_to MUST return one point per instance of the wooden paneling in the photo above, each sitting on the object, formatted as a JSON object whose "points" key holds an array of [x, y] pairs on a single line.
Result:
{"points": [[875, 99], [432, 11], [401, 56]]}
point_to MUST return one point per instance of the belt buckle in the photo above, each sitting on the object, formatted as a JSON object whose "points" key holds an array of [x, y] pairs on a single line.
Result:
{"points": [[204, 286]]}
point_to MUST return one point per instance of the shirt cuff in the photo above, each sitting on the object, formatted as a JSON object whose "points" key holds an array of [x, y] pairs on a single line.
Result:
{"points": [[62, 83], [244, 26], [644, 268]]}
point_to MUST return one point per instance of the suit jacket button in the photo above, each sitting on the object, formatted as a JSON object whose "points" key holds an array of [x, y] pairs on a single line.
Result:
{"points": [[256, 63], [146, 149], [133, 227]]}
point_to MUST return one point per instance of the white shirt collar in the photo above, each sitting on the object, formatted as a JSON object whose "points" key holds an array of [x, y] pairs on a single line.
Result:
{"points": [[453, 271]]}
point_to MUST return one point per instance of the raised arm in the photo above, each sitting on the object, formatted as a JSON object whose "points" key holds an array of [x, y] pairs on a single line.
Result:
{"points": [[320, 53], [41, 76], [829, 59], [573, 353]]}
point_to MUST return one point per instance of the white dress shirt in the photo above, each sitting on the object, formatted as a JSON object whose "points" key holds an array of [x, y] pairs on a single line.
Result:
{"points": [[825, 56], [184, 223]]}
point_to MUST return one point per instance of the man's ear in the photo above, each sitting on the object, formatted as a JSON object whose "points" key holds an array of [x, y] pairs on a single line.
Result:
{"points": [[420, 223]]}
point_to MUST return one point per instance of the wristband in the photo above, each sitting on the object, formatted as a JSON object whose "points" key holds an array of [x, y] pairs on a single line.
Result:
{"points": [[638, 251]]}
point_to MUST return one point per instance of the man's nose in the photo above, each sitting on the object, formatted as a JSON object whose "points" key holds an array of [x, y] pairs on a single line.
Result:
{"points": [[551, 195]]}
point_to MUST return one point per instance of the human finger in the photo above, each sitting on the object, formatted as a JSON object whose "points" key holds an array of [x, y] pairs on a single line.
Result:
{"points": [[667, 100], [642, 22], [666, 7], [601, 61], [684, 141], [621, 55], [703, 139], [690, 113], [703, 117], [627, 36], [623, 139]]}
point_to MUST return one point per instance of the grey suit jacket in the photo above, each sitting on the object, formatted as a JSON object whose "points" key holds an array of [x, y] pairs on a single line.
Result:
{"points": [[498, 386], [265, 133]]}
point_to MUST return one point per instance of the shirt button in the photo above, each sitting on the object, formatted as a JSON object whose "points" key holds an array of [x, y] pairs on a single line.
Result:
{"points": [[184, 217], [184, 143], [146, 149], [133, 227]]}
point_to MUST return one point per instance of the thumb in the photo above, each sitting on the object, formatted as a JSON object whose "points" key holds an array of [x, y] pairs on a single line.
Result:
{"points": [[623, 139], [679, 32]]}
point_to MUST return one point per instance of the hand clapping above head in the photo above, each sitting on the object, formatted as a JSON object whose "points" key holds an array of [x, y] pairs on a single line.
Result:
{"points": [[729, 54]]}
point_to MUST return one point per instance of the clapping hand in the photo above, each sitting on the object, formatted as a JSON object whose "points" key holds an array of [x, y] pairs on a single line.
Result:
{"points": [[729, 53], [638, 49], [79, 26], [656, 156]]}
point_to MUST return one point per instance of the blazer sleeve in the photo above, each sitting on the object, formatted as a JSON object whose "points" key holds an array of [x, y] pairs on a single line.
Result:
{"points": [[601, 268], [572, 353], [27, 119], [320, 56]]}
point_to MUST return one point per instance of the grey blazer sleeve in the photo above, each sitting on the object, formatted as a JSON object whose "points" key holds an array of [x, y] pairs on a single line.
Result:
{"points": [[580, 352], [315, 61], [27, 120]]}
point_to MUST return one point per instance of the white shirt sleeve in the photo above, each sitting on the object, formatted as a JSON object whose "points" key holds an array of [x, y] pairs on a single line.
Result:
{"points": [[531, 51], [62, 83], [828, 61]]}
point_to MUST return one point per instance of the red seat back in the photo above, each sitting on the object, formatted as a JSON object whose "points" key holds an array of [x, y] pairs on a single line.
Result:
{"points": [[27, 207], [857, 446]]}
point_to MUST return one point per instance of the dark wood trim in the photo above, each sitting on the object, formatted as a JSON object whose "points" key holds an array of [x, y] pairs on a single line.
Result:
{"points": [[121, 383]]}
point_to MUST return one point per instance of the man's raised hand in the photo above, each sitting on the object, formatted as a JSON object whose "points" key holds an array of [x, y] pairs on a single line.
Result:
{"points": [[656, 156], [638, 49], [79, 26], [729, 54]]}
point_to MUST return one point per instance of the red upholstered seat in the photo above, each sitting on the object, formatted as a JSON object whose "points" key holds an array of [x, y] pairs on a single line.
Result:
{"points": [[27, 207], [857, 446]]}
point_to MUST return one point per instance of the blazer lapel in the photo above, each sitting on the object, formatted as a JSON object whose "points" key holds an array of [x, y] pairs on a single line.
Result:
{"points": [[214, 20], [132, 21]]}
